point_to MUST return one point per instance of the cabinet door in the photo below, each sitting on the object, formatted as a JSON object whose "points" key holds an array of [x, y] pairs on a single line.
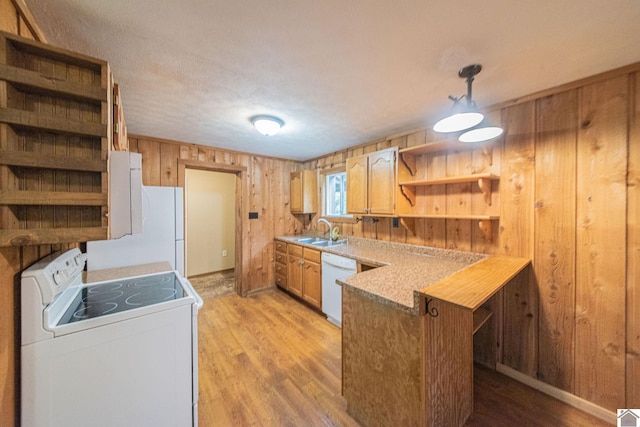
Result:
{"points": [[312, 281], [357, 185], [294, 275], [295, 199], [382, 182], [304, 192]]}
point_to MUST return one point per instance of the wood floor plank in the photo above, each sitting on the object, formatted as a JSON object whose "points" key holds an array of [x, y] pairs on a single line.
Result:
{"points": [[269, 360]]}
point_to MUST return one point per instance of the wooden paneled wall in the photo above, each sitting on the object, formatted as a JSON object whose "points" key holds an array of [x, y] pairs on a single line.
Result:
{"points": [[266, 192], [16, 19], [569, 200], [451, 234]]}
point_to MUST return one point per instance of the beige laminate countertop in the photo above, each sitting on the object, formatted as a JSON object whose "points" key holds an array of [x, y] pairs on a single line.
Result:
{"points": [[404, 270], [120, 272]]}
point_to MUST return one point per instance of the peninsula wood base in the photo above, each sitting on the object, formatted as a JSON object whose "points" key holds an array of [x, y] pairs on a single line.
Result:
{"points": [[406, 368]]}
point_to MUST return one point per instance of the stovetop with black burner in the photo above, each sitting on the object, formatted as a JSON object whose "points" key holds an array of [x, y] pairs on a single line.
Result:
{"points": [[121, 295]]}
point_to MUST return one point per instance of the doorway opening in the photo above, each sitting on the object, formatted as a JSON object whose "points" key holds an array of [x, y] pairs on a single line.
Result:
{"points": [[210, 231], [213, 227]]}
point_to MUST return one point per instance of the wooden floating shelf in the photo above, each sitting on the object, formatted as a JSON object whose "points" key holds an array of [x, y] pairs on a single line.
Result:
{"points": [[451, 216], [38, 236], [430, 147], [451, 180], [33, 160], [484, 183], [52, 198], [407, 155], [480, 317]]}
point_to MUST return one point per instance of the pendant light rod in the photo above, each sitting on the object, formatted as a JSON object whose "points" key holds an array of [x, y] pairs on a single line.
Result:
{"points": [[468, 73], [462, 116]]}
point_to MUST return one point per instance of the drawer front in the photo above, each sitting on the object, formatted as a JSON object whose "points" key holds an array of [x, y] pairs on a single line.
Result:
{"points": [[281, 281], [281, 247], [294, 250], [281, 269], [281, 258], [312, 255]]}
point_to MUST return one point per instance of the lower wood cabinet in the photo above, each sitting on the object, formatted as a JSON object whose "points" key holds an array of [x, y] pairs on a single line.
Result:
{"points": [[281, 264], [299, 271], [295, 265], [312, 277]]}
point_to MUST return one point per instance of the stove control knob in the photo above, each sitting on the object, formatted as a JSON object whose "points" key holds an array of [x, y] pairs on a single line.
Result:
{"points": [[59, 276]]}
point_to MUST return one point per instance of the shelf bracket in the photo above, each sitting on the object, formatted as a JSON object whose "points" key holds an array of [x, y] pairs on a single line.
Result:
{"points": [[409, 224], [485, 187], [487, 230], [410, 162], [409, 193]]}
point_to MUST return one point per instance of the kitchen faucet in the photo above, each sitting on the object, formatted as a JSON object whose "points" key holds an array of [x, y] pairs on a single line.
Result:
{"points": [[330, 227]]}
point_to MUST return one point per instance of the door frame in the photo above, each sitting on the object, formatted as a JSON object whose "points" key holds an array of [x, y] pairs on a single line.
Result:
{"points": [[241, 210]]}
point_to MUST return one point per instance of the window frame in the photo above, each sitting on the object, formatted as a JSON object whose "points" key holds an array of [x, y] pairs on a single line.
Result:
{"points": [[323, 176]]}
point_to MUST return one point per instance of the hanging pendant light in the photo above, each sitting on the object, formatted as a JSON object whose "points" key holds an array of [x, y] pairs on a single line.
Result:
{"points": [[467, 116]]}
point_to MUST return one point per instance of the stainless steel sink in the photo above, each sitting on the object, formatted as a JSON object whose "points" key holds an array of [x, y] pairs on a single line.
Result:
{"points": [[319, 241], [312, 240], [328, 243]]}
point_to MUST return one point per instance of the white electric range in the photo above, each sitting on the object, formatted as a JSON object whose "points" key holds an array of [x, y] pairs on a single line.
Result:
{"points": [[113, 353]]}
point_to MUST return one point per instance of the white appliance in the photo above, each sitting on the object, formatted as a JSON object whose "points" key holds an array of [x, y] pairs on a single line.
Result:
{"points": [[334, 267], [162, 237], [125, 193], [115, 353]]}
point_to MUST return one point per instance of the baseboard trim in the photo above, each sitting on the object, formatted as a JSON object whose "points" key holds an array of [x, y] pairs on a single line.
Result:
{"points": [[561, 395]]}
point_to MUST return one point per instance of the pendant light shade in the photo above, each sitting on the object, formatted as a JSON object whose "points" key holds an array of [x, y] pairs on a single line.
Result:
{"points": [[267, 125], [467, 116], [481, 133], [458, 121]]}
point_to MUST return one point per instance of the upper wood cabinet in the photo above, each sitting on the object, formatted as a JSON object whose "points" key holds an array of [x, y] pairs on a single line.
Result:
{"points": [[55, 135], [371, 183], [304, 192]]}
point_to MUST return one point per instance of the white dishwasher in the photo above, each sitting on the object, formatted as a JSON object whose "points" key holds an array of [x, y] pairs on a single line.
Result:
{"points": [[334, 267]]}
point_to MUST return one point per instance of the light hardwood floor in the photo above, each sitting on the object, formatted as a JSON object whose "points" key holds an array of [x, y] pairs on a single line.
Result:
{"points": [[268, 360]]}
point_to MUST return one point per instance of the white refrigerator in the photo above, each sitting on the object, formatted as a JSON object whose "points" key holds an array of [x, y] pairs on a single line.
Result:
{"points": [[162, 237]]}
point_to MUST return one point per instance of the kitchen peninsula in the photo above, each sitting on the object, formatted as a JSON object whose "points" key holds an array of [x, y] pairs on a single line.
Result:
{"points": [[408, 328]]}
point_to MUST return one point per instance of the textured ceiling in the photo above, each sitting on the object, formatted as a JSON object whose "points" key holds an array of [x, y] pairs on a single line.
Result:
{"points": [[339, 73]]}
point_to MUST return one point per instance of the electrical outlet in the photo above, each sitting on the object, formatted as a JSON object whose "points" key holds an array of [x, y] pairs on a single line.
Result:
{"points": [[224, 252], [395, 222]]}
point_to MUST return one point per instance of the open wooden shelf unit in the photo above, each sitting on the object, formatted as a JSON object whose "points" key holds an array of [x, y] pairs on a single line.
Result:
{"points": [[55, 125]]}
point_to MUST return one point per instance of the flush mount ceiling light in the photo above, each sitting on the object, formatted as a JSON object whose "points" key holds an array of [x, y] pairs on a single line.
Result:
{"points": [[267, 125], [467, 116]]}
